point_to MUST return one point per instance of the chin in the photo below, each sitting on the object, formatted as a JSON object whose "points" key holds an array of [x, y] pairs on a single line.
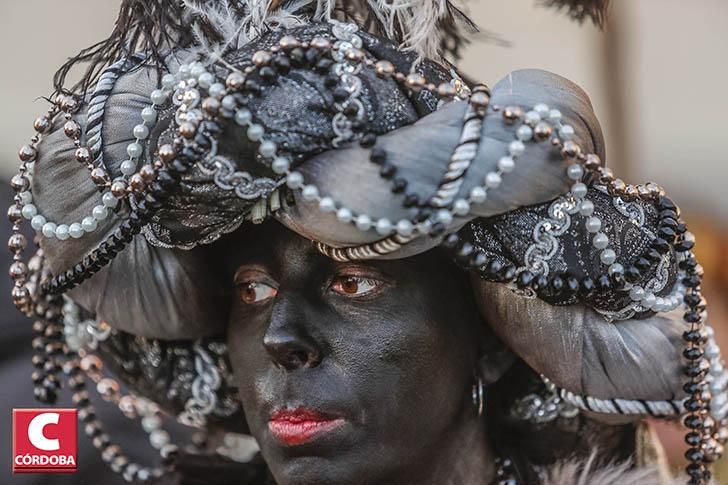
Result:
{"points": [[314, 470]]}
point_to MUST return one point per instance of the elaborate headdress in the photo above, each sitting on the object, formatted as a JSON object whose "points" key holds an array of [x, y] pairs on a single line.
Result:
{"points": [[343, 121]]}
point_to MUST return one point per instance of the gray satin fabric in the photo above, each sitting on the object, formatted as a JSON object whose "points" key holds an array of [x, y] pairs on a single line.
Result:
{"points": [[578, 350], [422, 151]]}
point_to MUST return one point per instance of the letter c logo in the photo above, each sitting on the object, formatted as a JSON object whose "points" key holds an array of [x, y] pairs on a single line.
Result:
{"points": [[35, 432]]}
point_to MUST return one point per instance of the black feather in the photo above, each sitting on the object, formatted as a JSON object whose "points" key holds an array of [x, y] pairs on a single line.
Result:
{"points": [[596, 10]]}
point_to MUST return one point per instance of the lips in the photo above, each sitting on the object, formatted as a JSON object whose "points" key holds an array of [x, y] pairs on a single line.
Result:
{"points": [[294, 427]]}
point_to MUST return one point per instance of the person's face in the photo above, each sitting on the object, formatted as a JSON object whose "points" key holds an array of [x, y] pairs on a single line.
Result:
{"points": [[349, 372]]}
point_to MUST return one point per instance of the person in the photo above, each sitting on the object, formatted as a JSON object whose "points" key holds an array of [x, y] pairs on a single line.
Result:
{"points": [[295, 221]]}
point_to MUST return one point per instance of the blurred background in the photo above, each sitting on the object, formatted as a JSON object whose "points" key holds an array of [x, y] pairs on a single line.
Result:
{"points": [[654, 76]]}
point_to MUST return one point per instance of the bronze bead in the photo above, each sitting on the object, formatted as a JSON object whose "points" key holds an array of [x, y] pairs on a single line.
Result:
{"points": [[592, 162], [446, 90], [91, 363], [42, 124], [211, 105], [415, 81], [167, 153], [83, 155], [480, 99], [187, 130], [542, 131], [19, 182], [355, 55], [136, 182], [118, 188], [320, 43], [147, 173], [68, 104], [617, 186], [512, 114], [606, 175], [27, 153], [261, 58], [631, 192], [235, 80], [15, 214], [18, 271], [643, 192], [98, 176], [288, 42], [21, 296], [384, 68], [72, 129], [107, 387], [570, 149], [17, 243]]}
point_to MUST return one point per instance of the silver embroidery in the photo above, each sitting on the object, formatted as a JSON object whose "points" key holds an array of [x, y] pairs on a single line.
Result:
{"points": [[545, 233]]}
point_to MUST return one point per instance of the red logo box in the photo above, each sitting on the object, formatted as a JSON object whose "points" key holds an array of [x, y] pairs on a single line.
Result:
{"points": [[44, 440]]}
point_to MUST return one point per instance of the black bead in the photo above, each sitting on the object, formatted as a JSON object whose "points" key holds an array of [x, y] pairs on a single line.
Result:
{"points": [[694, 370], [179, 166], [694, 455], [695, 470], [312, 55], [541, 282], [688, 264], [692, 353], [437, 229], [692, 299], [368, 140], [653, 255], [465, 251], [331, 81], [572, 285], [212, 127], [692, 421], [668, 213], [267, 74], [643, 263], [661, 245], [604, 282], [423, 215], [324, 64], [694, 336], [556, 284], [298, 56], [525, 278], [478, 260], [508, 273], [665, 203], [388, 170], [587, 285], [351, 110], [691, 281], [693, 438], [203, 141], [691, 316], [165, 179], [399, 185], [79, 270], [618, 280], [632, 274], [451, 241], [378, 155], [666, 233], [494, 268], [283, 64], [681, 228], [682, 246], [341, 94], [252, 85], [668, 222], [411, 200]]}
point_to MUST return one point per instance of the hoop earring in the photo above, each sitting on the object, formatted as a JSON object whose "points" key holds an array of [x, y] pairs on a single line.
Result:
{"points": [[478, 396]]}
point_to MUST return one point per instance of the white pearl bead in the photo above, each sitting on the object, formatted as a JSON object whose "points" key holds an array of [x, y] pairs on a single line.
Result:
{"points": [[184, 71], [405, 228], [294, 180], [516, 148], [150, 423], [141, 132], [554, 115], [75, 230], [344, 215], [542, 109], [524, 133], [37, 222], [62, 232], [134, 150], [197, 69], [636, 293], [49, 230], [228, 102], [493, 180], [600, 240], [26, 197], [689, 237], [461, 207], [579, 190], [575, 171], [363, 222], [280, 165], [616, 268], [267, 149], [566, 132], [310, 192], [649, 300], [327, 204], [29, 211], [608, 256], [243, 117], [477, 195], [586, 207], [100, 212], [158, 438], [89, 224], [532, 117], [149, 114], [444, 216], [255, 132], [128, 167], [506, 164], [593, 224], [109, 200], [384, 227], [169, 81], [217, 90], [205, 79], [158, 97]]}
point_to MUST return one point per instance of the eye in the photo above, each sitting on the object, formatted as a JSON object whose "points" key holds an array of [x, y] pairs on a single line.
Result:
{"points": [[255, 292], [354, 286]]}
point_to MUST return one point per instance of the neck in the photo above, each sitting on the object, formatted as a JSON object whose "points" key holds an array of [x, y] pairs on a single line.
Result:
{"points": [[464, 457]]}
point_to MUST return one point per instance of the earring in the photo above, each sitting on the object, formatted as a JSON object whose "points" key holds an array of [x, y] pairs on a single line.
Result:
{"points": [[478, 395]]}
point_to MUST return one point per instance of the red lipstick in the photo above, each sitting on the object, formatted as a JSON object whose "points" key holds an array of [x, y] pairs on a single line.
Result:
{"points": [[298, 426]]}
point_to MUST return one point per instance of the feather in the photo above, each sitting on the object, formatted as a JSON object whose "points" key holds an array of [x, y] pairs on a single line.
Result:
{"points": [[579, 10]]}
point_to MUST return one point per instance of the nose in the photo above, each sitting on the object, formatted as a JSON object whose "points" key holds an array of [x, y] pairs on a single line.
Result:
{"points": [[288, 341]]}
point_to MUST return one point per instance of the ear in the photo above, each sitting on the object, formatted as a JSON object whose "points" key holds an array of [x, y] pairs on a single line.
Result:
{"points": [[495, 359]]}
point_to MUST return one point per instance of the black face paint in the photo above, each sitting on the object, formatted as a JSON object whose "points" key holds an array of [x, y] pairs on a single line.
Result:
{"points": [[349, 373]]}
